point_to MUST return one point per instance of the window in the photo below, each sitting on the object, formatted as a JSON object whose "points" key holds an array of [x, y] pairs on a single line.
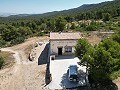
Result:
{"points": [[68, 49]]}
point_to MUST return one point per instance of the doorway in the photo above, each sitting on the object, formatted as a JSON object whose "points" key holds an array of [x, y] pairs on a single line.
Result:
{"points": [[60, 51]]}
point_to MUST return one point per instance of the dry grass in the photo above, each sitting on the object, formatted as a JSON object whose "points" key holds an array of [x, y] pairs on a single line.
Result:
{"points": [[8, 57], [93, 39]]}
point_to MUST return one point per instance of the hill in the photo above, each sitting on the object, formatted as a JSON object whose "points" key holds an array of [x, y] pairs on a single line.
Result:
{"points": [[108, 6], [88, 17]]}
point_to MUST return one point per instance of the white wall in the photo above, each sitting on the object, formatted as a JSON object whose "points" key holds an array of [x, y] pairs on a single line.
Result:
{"points": [[61, 43]]}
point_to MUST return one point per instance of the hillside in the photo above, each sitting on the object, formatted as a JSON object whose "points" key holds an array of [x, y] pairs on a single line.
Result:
{"points": [[109, 6], [88, 17]]}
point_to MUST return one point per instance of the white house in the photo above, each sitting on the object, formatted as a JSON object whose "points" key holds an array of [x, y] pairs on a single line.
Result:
{"points": [[62, 43]]}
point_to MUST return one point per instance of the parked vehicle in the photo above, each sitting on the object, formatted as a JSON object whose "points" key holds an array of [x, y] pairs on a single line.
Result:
{"points": [[73, 73]]}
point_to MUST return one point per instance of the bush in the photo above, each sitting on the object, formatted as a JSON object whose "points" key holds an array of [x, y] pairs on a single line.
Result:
{"points": [[115, 75], [118, 23], [116, 38], [90, 28], [2, 62], [2, 42], [40, 34], [17, 40]]}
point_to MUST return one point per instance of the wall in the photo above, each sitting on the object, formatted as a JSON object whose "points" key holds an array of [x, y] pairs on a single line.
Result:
{"points": [[62, 43]]}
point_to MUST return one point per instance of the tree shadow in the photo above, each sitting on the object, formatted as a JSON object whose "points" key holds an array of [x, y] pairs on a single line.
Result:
{"points": [[66, 84], [43, 58], [104, 85]]}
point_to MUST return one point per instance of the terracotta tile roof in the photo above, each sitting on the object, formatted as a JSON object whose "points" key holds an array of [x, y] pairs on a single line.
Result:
{"points": [[65, 35]]}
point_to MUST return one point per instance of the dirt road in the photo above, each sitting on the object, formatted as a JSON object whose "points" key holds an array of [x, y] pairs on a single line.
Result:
{"points": [[24, 75]]}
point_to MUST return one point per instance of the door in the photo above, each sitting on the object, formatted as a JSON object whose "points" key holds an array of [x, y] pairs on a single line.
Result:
{"points": [[59, 51]]}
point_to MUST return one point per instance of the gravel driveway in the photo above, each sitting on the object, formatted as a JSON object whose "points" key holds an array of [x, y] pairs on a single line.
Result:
{"points": [[58, 70]]}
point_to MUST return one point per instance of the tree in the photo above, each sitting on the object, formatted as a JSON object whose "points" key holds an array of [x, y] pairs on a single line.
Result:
{"points": [[116, 36], [111, 46], [17, 40], [69, 18], [10, 33], [102, 60], [60, 24], [43, 26], [24, 31], [2, 42], [99, 62], [51, 25], [90, 28], [73, 26], [106, 17], [81, 48], [2, 27]]}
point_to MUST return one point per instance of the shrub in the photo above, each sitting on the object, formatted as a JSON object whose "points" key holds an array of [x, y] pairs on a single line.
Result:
{"points": [[2, 42], [115, 75], [90, 28], [40, 34], [17, 40]]}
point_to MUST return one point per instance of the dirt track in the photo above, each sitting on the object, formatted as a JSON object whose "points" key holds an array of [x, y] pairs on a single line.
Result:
{"points": [[24, 75]]}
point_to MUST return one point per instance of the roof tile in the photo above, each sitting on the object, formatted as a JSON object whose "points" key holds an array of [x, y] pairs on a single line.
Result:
{"points": [[64, 35]]}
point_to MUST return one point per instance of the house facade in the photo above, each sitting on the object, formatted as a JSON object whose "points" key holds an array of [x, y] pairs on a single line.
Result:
{"points": [[63, 43]]}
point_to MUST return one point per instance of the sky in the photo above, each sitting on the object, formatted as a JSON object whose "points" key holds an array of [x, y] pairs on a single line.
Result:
{"points": [[41, 6]]}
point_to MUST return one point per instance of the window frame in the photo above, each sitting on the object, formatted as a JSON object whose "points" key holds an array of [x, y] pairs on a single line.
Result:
{"points": [[68, 49]]}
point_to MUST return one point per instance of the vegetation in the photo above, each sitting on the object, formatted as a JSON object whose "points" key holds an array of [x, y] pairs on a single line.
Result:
{"points": [[91, 17], [102, 60], [81, 48]]}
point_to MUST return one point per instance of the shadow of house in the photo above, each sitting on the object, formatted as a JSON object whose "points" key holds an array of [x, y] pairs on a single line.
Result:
{"points": [[64, 57], [43, 58], [65, 82], [48, 77]]}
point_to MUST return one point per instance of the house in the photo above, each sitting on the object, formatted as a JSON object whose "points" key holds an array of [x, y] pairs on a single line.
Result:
{"points": [[62, 43]]}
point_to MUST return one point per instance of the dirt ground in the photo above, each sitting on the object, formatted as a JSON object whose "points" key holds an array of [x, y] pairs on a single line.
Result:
{"points": [[93, 39], [24, 74], [117, 82]]}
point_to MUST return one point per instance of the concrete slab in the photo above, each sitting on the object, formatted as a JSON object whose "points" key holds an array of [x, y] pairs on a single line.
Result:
{"points": [[58, 70]]}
